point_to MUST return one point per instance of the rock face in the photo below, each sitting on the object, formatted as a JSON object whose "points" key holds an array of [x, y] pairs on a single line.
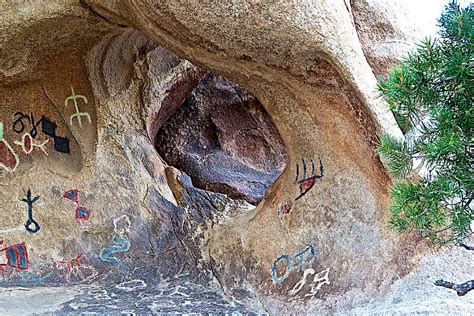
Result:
{"points": [[385, 32], [223, 138], [33, 34], [90, 205]]}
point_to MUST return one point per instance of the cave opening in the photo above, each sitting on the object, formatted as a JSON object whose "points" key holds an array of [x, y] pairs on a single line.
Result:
{"points": [[223, 138]]}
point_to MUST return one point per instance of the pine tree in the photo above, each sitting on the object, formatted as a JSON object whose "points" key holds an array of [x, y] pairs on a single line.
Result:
{"points": [[431, 94]]}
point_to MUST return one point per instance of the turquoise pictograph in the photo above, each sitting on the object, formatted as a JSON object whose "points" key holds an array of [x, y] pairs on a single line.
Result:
{"points": [[122, 244]]}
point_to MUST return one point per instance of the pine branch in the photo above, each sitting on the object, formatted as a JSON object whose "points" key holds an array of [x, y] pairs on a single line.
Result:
{"points": [[466, 246], [461, 289], [430, 93]]}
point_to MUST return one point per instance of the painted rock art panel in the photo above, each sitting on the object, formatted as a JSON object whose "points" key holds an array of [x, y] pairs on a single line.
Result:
{"points": [[87, 198], [80, 212], [16, 257], [30, 277], [313, 286], [122, 244], [74, 269], [8, 157], [77, 114], [37, 133], [31, 225], [306, 183], [289, 263], [42, 153]]}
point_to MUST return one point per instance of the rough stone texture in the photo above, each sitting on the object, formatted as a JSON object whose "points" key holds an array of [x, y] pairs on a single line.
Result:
{"points": [[318, 89], [383, 32], [33, 33], [416, 293], [305, 64], [223, 138], [135, 296], [249, 41], [136, 219]]}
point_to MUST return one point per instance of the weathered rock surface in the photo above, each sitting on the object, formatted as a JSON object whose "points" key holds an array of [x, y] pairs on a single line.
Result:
{"points": [[314, 84], [385, 32], [31, 34], [223, 138], [112, 215]]}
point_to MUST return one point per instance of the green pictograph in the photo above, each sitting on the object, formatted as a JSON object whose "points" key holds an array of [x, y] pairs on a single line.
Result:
{"points": [[78, 115]]}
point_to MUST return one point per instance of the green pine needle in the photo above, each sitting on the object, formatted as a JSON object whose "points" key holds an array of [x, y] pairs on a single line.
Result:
{"points": [[432, 90]]}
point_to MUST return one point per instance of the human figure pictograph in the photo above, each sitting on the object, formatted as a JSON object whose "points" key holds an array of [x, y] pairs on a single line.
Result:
{"points": [[31, 225], [78, 115]]}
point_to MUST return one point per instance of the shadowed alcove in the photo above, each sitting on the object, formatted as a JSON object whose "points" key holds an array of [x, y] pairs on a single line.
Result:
{"points": [[224, 139]]}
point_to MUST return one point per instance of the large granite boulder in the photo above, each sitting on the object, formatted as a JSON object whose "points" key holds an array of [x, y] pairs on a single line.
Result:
{"points": [[94, 218]]}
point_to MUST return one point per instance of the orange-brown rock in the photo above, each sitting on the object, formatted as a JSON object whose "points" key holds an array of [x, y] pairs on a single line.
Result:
{"points": [[85, 86]]}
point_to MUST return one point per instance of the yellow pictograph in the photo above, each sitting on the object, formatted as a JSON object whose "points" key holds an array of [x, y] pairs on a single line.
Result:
{"points": [[78, 115], [8, 157]]}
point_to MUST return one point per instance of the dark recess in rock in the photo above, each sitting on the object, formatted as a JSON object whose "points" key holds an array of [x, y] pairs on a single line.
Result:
{"points": [[225, 140]]}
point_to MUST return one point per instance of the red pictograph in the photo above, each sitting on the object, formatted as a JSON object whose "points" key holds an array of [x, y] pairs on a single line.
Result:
{"points": [[74, 267], [72, 195], [16, 255], [81, 212], [307, 183]]}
